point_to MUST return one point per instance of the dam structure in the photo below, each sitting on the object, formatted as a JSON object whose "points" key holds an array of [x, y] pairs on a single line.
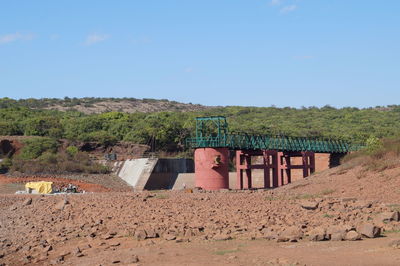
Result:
{"points": [[214, 144]]}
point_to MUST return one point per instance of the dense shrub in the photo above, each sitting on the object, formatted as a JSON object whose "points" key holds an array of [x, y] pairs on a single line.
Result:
{"points": [[35, 147], [5, 165], [72, 150], [59, 163], [9, 129]]}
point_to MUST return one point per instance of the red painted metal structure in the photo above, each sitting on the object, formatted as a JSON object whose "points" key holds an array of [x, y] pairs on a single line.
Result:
{"points": [[277, 166], [212, 168], [213, 143]]}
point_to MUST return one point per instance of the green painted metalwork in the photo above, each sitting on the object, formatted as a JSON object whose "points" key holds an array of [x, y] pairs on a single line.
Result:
{"points": [[212, 132]]}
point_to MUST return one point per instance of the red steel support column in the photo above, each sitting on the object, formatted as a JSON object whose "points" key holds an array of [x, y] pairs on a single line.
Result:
{"points": [[280, 169], [239, 171], [305, 163], [288, 169], [312, 162], [267, 167], [275, 169], [248, 183]]}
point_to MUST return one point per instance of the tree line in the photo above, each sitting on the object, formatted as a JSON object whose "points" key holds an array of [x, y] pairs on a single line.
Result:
{"points": [[170, 129]]}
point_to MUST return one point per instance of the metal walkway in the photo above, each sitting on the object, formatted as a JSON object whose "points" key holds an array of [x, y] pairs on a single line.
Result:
{"points": [[212, 132]]}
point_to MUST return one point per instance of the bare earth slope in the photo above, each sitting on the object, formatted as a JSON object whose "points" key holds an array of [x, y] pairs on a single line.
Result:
{"points": [[353, 182]]}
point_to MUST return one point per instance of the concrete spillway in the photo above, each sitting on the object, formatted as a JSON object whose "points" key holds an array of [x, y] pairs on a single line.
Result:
{"points": [[153, 173], [137, 172]]}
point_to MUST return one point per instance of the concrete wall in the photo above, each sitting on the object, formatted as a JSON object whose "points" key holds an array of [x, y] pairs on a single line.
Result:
{"points": [[166, 171], [153, 174], [174, 166]]}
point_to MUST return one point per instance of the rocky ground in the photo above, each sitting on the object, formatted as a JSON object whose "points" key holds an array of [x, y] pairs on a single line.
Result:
{"points": [[128, 227], [342, 216]]}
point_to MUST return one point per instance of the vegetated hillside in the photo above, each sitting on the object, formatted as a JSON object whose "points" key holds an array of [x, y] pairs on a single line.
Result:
{"points": [[170, 129], [90, 105], [371, 174]]}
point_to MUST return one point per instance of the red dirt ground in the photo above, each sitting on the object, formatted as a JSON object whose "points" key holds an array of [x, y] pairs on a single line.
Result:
{"points": [[272, 227]]}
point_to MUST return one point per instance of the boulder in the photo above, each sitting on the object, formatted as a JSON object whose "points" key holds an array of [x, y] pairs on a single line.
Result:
{"points": [[268, 234], [336, 233], [282, 239], [369, 230], [317, 234], [293, 233], [151, 233], [352, 236], [140, 234], [61, 204], [389, 216]]}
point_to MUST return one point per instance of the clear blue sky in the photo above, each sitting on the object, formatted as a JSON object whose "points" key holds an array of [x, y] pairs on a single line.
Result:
{"points": [[214, 52]]}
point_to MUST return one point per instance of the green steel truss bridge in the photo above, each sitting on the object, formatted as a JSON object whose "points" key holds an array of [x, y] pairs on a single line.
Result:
{"points": [[212, 132]]}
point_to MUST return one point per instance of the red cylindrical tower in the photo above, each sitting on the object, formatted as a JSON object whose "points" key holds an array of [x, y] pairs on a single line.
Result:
{"points": [[212, 168]]}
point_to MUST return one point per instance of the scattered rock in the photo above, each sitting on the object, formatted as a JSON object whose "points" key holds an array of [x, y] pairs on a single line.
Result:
{"points": [[309, 205], [27, 202], [115, 244], [109, 235], [78, 253], [222, 237], [169, 237], [48, 248], [395, 244], [140, 235], [134, 259], [61, 204]]}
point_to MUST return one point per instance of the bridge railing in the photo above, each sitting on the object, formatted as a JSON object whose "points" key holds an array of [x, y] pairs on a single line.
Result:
{"points": [[257, 142]]}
